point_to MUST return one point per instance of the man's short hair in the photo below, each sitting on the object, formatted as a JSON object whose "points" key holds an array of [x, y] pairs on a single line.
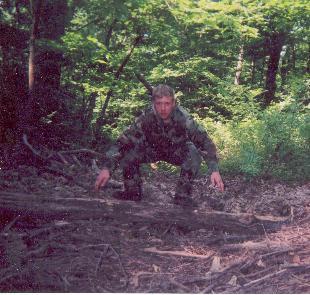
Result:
{"points": [[162, 90]]}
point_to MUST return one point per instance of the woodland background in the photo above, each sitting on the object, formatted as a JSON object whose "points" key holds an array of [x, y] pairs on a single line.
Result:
{"points": [[73, 74]]}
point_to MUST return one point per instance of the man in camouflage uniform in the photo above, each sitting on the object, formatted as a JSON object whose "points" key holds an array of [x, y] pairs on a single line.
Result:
{"points": [[164, 132]]}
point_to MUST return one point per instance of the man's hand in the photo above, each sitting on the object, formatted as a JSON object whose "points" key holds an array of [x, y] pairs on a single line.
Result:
{"points": [[217, 181], [102, 178]]}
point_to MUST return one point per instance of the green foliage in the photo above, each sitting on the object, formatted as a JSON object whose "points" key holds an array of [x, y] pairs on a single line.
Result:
{"points": [[276, 144], [191, 45]]}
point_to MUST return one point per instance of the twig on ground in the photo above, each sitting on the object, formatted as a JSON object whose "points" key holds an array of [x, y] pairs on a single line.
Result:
{"points": [[76, 160], [87, 151], [94, 166], [274, 253], [305, 283], [10, 224], [219, 275], [267, 238], [257, 246], [175, 253], [179, 285], [26, 142], [264, 278], [135, 279], [103, 253], [63, 159], [166, 230], [121, 265]]}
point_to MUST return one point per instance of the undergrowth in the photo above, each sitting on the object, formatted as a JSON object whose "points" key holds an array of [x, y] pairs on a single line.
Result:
{"points": [[274, 144]]}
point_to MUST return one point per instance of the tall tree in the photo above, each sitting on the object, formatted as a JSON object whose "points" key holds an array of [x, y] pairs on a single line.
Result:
{"points": [[48, 23]]}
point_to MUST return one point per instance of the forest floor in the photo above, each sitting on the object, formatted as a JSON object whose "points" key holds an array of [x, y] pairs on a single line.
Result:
{"points": [[46, 247]]}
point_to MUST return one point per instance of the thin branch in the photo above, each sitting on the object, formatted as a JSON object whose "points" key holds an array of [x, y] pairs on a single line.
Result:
{"points": [[62, 158], [94, 166], [87, 151], [37, 153], [10, 224], [179, 285], [146, 84], [76, 160], [175, 253]]}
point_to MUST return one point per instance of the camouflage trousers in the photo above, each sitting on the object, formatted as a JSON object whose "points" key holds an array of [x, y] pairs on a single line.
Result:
{"points": [[186, 156]]}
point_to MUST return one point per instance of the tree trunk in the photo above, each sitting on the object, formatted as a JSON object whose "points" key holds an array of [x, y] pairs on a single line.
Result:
{"points": [[308, 61], [239, 66], [275, 47], [263, 70], [36, 11], [48, 20], [284, 67], [109, 34], [253, 69], [145, 83]]}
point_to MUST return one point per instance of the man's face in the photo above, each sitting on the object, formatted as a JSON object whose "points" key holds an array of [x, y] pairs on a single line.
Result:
{"points": [[164, 106]]}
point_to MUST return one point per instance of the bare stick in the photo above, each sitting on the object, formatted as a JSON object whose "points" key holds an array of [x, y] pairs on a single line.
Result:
{"points": [[10, 224], [121, 265], [166, 230], [87, 151], [94, 166], [258, 246], [175, 253], [264, 278], [301, 281], [77, 161], [103, 253], [179, 285], [62, 158], [257, 281], [26, 142], [91, 246]]}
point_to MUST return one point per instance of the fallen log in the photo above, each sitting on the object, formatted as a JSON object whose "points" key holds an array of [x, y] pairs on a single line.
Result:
{"points": [[51, 207]]}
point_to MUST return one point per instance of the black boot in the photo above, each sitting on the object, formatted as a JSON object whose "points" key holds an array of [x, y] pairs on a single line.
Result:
{"points": [[132, 195], [185, 202], [183, 193]]}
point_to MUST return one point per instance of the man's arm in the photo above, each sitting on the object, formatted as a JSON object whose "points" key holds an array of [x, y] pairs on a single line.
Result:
{"points": [[200, 138], [130, 137], [217, 181], [102, 178]]}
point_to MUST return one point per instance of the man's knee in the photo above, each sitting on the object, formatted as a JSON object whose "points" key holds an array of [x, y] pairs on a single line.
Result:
{"points": [[130, 158], [193, 160]]}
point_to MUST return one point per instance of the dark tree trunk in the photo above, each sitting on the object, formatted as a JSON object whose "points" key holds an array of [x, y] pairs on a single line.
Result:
{"points": [[253, 69], [239, 66], [109, 34], [292, 65], [284, 71], [146, 84], [275, 47], [36, 11], [308, 61], [44, 64], [285, 62], [263, 70], [13, 81]]}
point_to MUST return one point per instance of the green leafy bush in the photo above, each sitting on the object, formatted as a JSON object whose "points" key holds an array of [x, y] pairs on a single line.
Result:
{"points": [[274, 145]]}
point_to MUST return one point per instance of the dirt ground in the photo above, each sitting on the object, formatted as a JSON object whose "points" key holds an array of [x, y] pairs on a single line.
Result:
{"points": [[113, 254]]}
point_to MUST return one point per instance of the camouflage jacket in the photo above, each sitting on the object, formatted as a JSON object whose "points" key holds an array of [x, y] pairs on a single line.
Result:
{"points": [[149, 129]]}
